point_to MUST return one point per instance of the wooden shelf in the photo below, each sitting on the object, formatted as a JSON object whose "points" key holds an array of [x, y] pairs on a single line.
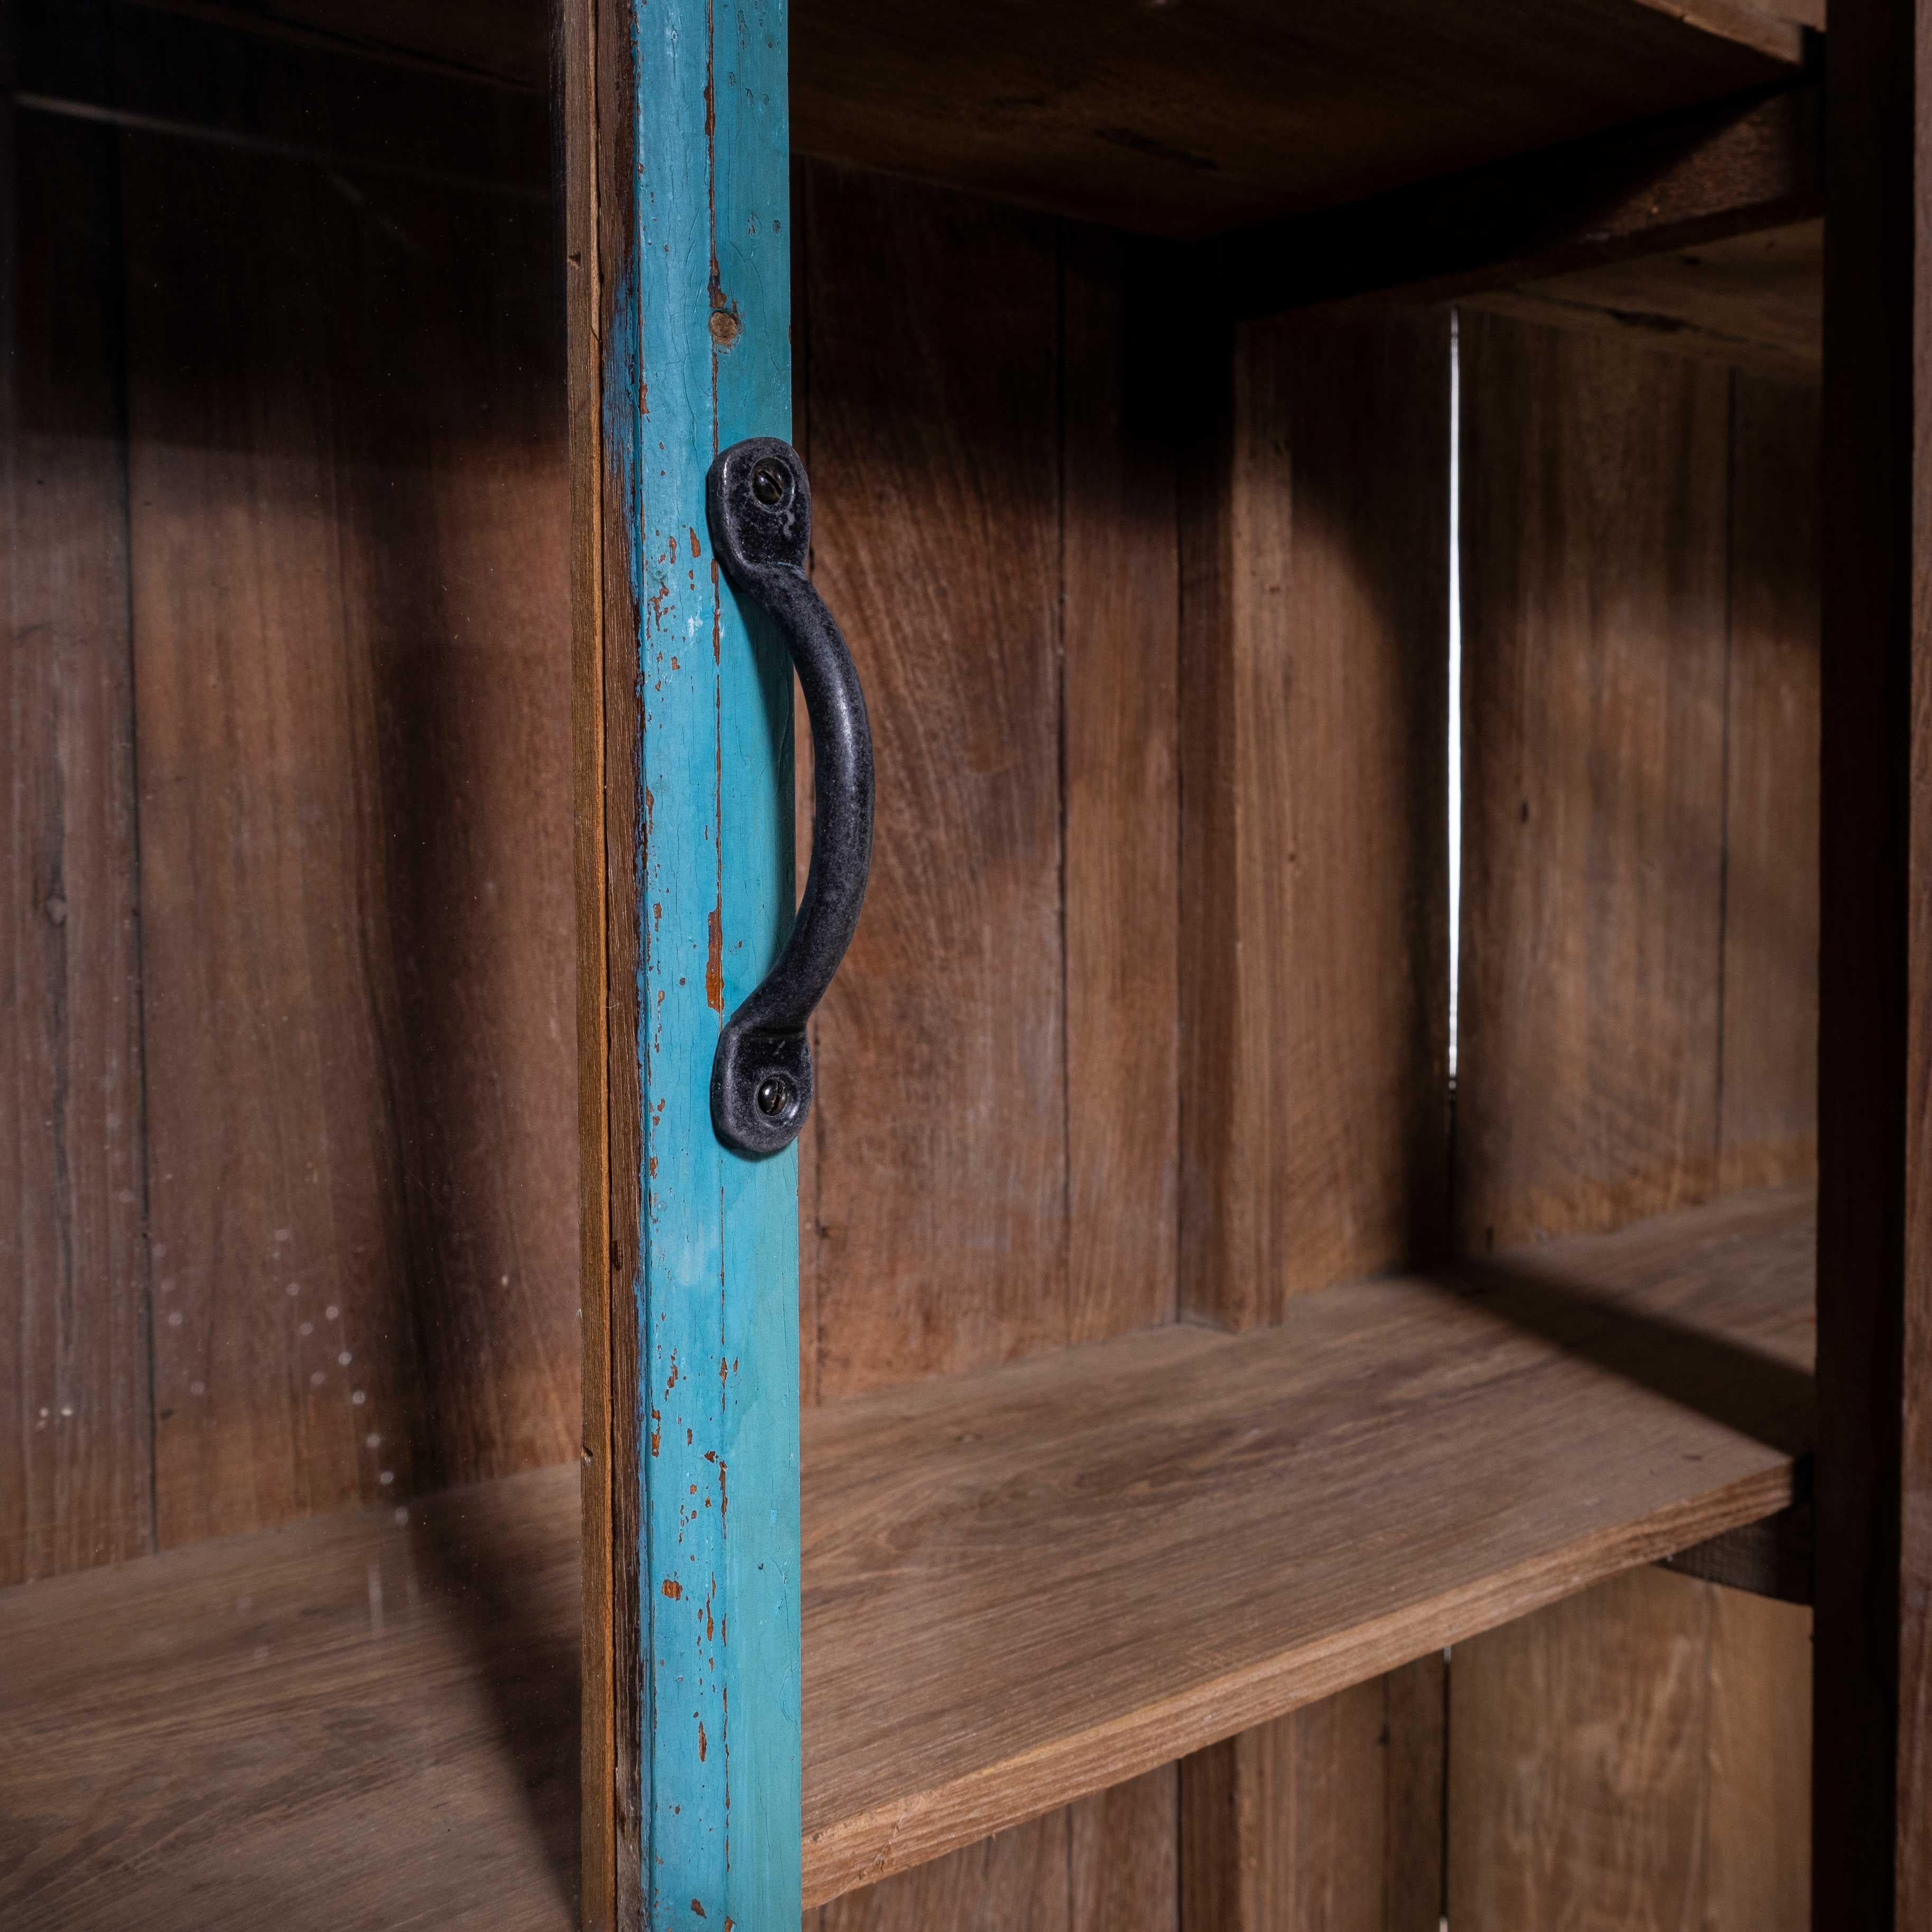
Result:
{"points": [[1020, 1586], [1185, 120], [1170, 120]]}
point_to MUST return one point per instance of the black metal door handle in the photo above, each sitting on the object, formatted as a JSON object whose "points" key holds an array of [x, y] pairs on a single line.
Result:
{"points": [[758, 503]]}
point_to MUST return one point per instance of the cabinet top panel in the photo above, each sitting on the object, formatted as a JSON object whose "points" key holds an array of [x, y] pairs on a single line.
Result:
{"points": [[1185, 117]]}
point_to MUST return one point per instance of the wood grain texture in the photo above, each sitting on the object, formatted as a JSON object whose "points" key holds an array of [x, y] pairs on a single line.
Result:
{"points": [[1759, 1875], [935, 469], [359, 1198], [1693, 179], [995, 533], [1106, 1864], [289, 1719], [1635, 1756], [75, 1474], [348, 1720], [1753, 300], [1119, 644], [1142, 1458], [1184, 121], [1327, 1820], [1314, 880], [1580, 1794], [1622, 693], [1872, 1710], [606, 1189], [1594, 544], [1768, 1114]]}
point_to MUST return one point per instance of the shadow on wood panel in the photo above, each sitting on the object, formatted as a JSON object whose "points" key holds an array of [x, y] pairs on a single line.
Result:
{"points": [[1751, 1390]]}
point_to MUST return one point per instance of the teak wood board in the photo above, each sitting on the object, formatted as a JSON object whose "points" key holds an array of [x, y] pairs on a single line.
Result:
{"points": [[357, 1720]]}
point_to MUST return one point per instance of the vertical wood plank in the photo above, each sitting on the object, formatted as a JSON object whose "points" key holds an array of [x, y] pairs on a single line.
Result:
{"points": [[1018, 1881], [1760, 1875], [1314, 614], [75, 1481], [1872, 1775], [1636, 996], [276, 1187], [1327, 1820], [1313, 783], [1119, 613], [349, 528], [1122, 1856], [1594, 572], [935, 472], [1004, 1024], [1579, 1791], [1769, 1104]]}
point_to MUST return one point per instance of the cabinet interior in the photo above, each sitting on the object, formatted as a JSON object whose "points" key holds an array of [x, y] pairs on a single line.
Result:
{"points": [[1153, 1176]]}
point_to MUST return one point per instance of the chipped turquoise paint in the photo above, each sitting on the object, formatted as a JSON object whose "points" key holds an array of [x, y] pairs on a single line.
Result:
{"points": [[718, 1296]]}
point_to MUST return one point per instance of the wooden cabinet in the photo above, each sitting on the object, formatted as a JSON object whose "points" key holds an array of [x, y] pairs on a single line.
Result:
{"points": [[1352, 1255]]}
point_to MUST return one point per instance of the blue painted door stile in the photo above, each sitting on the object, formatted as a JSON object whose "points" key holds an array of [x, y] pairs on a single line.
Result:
{"points": [[716, 1287]]}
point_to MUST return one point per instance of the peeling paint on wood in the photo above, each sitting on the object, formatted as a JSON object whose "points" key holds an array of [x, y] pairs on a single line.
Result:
{"points": [[716, 1280]]}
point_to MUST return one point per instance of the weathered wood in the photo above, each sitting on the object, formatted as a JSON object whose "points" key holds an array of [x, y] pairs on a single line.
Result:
{"points": [[75, 1479], [1634, 1755], [1119, 615], [1320, 1822], [1759, 1855], [1002, 1038], [1595, 546], [224, 76], [1753, 300], [1187, 120], [1106, 1864], [1621, 621], [358, 1192], [1684, 179], [1313, 929], [1767, 1109], [1872, 1709], [598, 225], [683, 198], [936, 467], [290, 1719], [1580, 1794]]}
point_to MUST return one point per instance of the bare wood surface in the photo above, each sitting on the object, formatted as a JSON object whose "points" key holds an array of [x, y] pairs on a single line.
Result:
{"points": [[1120, 642], [606, 1195], [1183, 121], [348, 522], [1759, 1858], [1636, 1755], [1755, 301], [309, 1731], [237, 77], [1767, 1111], [1580, 1793], [1681, 181], [1327, 1820], [76, 1477], [1314, 981], [935, 466], [995, 530], [1594, 549], [1315, 1134], [1644, 735]]}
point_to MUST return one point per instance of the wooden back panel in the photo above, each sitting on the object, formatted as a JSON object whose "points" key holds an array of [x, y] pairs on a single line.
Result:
{"points": [[1639, 1010]]}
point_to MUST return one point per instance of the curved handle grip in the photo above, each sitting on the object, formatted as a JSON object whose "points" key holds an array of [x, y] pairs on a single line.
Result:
{"points": [[758, 503]]}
